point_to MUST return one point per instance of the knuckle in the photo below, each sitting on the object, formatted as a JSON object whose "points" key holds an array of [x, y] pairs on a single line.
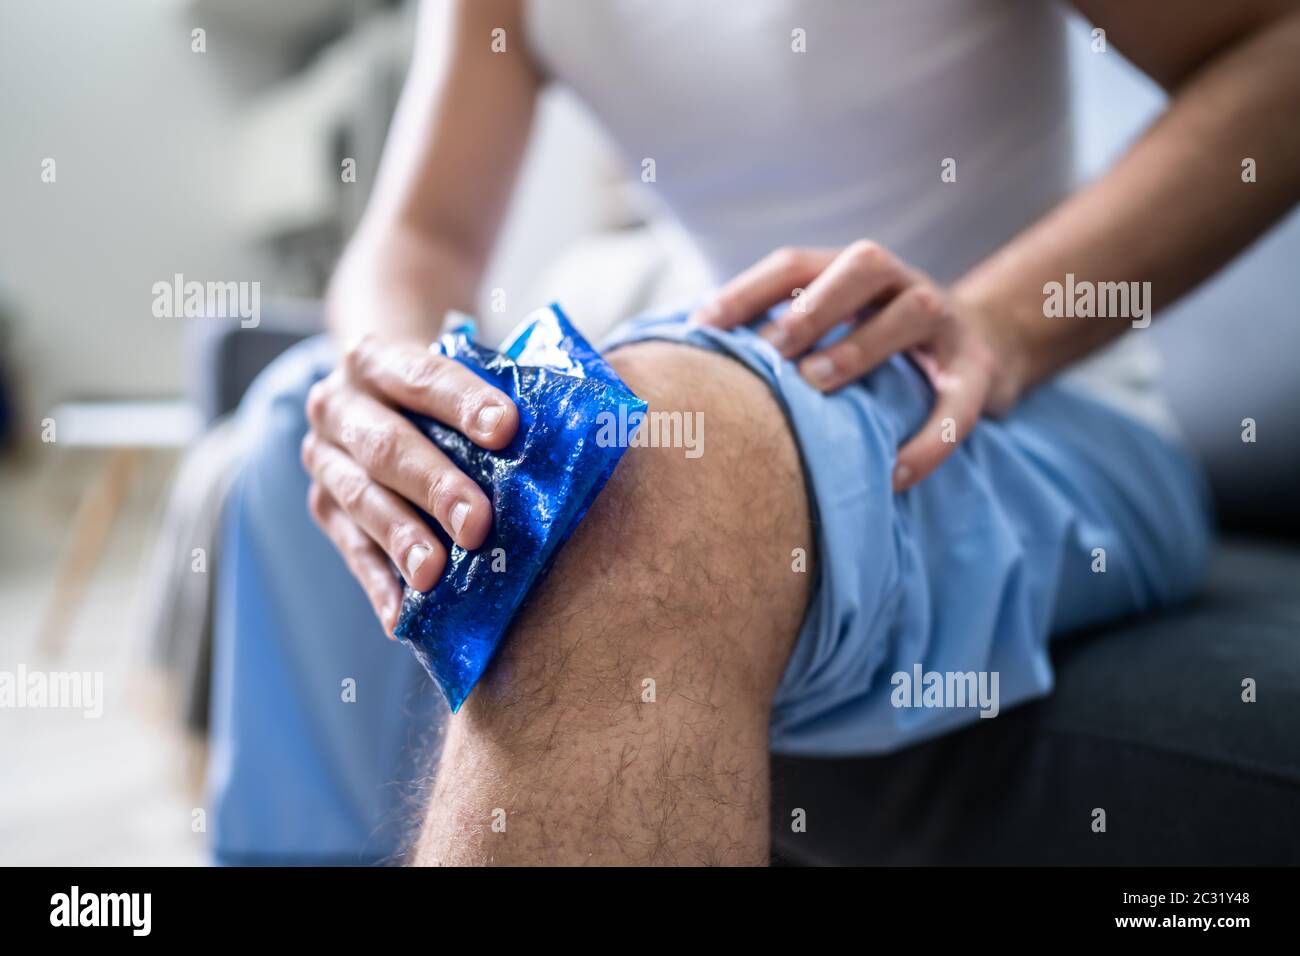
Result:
{"points": [[423, 371], [307, 451], [316, 503], [357, 552], [446, 488], [848, 355], [787, 260], [441, 492], [867, 255], [468, 403], [398, 535], [318, 400], [429, 478], [926, 301], [728, 302], [351, 491], [380, 446], [924, 456], [356, 355]]}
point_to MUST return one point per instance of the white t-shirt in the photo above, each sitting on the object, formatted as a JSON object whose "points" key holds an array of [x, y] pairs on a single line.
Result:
{"points": [[769, 123]]}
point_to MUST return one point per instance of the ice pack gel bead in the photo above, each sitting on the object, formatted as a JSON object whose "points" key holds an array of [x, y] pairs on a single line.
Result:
{"points": [[540, 486]]}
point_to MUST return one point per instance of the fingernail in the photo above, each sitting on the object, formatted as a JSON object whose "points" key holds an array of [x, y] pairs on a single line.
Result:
{"points": [[901, 474], [459, 512], [489, 417], [390, 618], [414, 558], [819, 370]]}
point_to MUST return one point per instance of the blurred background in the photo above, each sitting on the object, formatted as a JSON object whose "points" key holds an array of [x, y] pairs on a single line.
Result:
{"points": [[135, 149]]}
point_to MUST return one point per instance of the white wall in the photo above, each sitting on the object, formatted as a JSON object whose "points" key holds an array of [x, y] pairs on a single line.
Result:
{"points": [[146, 137], [135, 123], [1229, 347]]}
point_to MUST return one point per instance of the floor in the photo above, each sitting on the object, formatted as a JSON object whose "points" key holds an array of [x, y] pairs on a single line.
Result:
{"points": [[122, 788]]}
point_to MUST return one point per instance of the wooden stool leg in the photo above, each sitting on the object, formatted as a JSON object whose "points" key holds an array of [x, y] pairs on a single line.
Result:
{"points": [[96, 512]]}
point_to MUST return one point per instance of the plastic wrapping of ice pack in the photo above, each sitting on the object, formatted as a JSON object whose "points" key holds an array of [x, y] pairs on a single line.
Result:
{"points": [[572, 406]]}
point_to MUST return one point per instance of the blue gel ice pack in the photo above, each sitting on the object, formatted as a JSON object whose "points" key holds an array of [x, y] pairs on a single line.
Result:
{"points": [[571, 404]]}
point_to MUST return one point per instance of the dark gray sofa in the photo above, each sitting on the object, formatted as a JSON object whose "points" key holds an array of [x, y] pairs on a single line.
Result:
{"points": [[1147, 722]]}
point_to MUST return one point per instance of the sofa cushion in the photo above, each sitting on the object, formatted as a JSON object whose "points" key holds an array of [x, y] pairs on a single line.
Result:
{"points": [[1147, 722]]}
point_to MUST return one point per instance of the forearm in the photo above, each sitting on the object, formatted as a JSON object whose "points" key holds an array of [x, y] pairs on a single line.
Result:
{"points": [[446, 178], [397, 282], [1170, 213]]}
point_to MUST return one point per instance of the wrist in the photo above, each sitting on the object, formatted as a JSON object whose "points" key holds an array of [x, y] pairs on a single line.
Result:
{"points": [[397, 289]]}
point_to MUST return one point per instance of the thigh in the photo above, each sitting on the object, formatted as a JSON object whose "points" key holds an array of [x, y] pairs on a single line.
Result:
{"points": [[313, 709]]}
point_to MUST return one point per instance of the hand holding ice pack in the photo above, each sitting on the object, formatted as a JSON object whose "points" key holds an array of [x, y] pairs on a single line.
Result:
{"points": [[540, 487]]}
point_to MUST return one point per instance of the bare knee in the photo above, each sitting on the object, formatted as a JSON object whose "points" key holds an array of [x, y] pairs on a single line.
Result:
{"points": [[679, 584], [713, 525]]}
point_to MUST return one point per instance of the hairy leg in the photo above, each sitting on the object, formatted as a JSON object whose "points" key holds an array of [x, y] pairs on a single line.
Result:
{"points": [[625, 720]]}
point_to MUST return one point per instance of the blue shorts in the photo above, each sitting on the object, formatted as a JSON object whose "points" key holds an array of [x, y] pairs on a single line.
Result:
{"points": [[973, 569], [969, 573]]}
